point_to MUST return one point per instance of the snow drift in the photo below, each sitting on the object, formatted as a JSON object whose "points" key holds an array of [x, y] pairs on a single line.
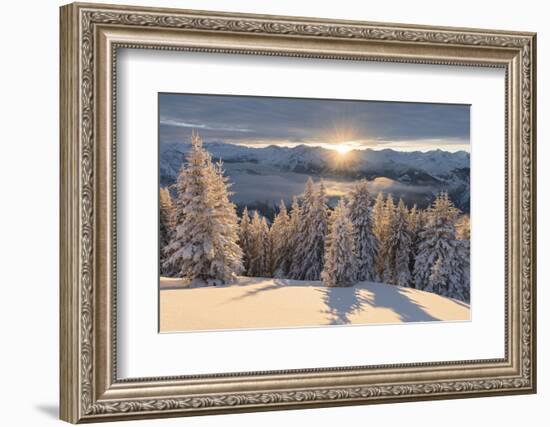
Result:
{"points": [[275, 303]]}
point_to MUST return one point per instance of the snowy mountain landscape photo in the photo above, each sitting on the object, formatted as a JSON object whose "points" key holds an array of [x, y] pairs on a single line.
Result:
{"points": [[293, 212]]}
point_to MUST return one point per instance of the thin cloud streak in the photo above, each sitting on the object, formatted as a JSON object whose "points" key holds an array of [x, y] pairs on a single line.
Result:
{"points": [[172, 122], [261, 121], [418, 145]]}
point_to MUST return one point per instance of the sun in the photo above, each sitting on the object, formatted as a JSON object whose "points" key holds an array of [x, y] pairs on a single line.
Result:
{"points": [[343, 148]]}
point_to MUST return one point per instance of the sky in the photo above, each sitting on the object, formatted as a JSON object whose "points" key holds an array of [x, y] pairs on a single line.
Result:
{"points": [[342, 125]]}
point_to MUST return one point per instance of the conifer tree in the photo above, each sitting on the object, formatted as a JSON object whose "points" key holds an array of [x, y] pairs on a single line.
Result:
{"points": [[463, 235], [340, 266], [227, 261], [310, 245], [266, 249], [245, 239], [396, 250], [295, 221], [166, 225], [204, 247], [461, 290], [401, 236], [437, 282], [378, 218], [389, 213], [302, 230], [462, 227], [305, 207], [416, 225], [385, 258], [172, 260], [413, 219], [280, 241], [256, 254], [366, 243], [308, 200], [438, 241]]}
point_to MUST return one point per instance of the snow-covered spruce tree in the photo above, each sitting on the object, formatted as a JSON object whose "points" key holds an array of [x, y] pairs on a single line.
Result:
{"points": [[267, 249], [463, 235], [204, 247], [462, 227], [438, 241], [297, 269], [366, 243], [413, 218], [310, 246], [462, 292], [308, 200], [244, 239], [314, 250], [437, 281], [378, 218], [416, 225], [385, 257], [396, 249], [166, 225], [171, 264], [227, 261], [295, 220], [340, 267], [256, 250], [389, 212], [280, 242], [301, 214], [401, 240]]}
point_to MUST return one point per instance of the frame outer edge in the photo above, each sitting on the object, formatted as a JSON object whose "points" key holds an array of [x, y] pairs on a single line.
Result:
{"points": [[77, 338], [533, 207], [69, 224]]}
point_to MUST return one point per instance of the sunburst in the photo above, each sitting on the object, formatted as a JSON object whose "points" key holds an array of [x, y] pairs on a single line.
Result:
{"points": [[343, 148]]}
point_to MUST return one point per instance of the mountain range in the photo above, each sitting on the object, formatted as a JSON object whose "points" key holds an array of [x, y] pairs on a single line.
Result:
{"points": [[261, 177]]}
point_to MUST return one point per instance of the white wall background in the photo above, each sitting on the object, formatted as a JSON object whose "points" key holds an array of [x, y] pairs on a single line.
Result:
{"points": [[29, 170]]}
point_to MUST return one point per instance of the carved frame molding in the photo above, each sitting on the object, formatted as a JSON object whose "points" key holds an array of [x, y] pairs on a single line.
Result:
{"points": [[90, 37]]}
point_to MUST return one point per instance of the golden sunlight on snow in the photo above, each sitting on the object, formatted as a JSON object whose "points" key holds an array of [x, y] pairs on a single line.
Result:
{"points": [[275, 303]]}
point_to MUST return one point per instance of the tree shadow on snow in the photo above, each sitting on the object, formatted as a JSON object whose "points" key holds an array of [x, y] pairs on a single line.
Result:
{"points": [[396, 299], [276, 284], [342, 303]]}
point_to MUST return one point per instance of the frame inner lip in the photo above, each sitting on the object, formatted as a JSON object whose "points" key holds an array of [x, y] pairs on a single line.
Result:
{"points": [[333, 371]]}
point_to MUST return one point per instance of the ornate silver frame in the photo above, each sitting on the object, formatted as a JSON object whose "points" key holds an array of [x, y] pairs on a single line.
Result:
{"points": [[90, 36]]}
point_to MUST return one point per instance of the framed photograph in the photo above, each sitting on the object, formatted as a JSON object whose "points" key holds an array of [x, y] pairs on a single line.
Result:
{"points": [[265, 212]]}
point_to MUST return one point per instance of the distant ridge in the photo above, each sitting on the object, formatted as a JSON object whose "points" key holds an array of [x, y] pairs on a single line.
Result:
{"points": [[428, 172]]}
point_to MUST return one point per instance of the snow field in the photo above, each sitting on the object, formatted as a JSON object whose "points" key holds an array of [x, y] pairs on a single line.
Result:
{"points": [[276, 303]]}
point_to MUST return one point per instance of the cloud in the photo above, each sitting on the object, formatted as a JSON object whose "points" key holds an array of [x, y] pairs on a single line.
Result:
{"points": [[250, 120], [179, 123]]}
